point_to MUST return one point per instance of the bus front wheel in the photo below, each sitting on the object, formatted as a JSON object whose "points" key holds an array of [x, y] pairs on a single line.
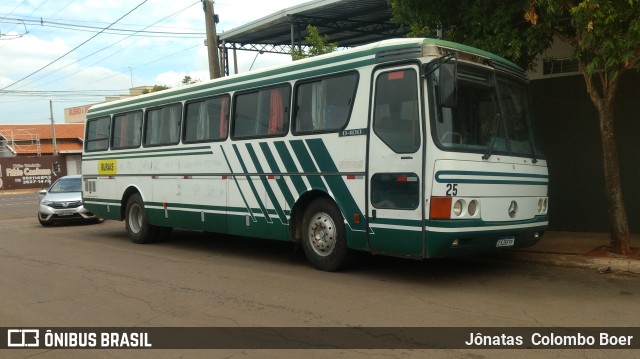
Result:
{"points": [[138, 227], [323, 236]]}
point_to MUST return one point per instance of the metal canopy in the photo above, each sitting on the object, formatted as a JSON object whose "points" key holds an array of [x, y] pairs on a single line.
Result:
{"points": [[346, 22]]}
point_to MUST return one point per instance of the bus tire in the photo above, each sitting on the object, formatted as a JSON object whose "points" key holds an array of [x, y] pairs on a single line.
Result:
{"points": [[323, 236], [138, 227]]}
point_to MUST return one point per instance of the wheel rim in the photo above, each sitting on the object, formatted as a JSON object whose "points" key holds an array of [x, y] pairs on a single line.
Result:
{"points": [[322, 234], [135, 218]]}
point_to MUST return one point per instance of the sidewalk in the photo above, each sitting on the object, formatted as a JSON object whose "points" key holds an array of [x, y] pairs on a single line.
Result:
{"points": [[576, 249], [19, 191]]}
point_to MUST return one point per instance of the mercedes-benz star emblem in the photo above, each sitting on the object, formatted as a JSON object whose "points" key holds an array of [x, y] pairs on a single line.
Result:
{"points": [[513, 209]]}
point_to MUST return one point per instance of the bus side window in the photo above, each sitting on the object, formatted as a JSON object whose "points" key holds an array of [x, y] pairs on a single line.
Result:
{"points": [[206, 120], [98, 131], [396, 118], [324, 105], [127, 130], [162, 126], [262, 113]]}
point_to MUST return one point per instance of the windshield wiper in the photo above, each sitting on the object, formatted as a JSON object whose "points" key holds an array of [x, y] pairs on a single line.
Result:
{"points": [[494, 132], [533, 152]]}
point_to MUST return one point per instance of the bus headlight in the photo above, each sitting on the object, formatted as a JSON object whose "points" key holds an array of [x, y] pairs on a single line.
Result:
{"points": [[543, 203], [458, 206], [473, 207], [540, 205]]}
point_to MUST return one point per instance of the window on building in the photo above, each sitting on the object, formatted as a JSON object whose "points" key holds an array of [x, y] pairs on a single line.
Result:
{"points": [[559, 66]]}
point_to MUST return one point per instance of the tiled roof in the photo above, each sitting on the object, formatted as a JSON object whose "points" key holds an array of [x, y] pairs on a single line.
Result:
{"points": [[46, 148], [43, 131], [69, 138]]}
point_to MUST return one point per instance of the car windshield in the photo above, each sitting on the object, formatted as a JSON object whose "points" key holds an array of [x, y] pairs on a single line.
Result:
{"points": [[64, 185], [487, 118]]}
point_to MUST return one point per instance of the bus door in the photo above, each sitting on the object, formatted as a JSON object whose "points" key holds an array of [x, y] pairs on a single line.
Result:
{"points": [[395, 163]]}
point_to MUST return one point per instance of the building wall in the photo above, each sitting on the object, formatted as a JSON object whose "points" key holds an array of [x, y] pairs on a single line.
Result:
{"points": [[568, 126], [74, 164], [29, 172], [76, 114]]}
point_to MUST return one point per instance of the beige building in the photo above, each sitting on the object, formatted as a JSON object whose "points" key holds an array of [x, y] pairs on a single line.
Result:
{"points": [[78, 114]]}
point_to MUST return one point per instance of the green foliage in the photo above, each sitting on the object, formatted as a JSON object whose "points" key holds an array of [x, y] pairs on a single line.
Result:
{"points": [[187, 80], [607, 35], [155, 88], [318, 44], [499, 27]]}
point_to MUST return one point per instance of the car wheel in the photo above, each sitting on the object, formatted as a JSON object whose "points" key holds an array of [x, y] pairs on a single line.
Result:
{"points": [[44, 222], [136, 222], [323, 236]]}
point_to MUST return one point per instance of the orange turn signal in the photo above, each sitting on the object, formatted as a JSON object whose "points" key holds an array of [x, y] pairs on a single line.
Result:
{"points": [[440, 208]]}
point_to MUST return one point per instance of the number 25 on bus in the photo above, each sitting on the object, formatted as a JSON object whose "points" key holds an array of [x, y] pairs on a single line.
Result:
{"points": [[418, 148]]}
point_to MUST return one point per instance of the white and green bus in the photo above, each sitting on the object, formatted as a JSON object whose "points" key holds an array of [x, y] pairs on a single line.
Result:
{"points": [[417, 148]]}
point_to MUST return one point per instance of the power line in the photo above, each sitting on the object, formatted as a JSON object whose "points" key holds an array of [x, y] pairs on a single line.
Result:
{"points": [[75, 48], [148, 63], [25, 26], [36, 9], [102, 49], [114, 31]]}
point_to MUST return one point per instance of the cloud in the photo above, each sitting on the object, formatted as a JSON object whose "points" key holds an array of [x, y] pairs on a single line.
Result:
{"points": [[174, 79], [148, 59], [26, 55]]}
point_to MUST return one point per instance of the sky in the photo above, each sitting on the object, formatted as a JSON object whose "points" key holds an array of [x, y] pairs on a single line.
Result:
{"points": [[53, 49]]}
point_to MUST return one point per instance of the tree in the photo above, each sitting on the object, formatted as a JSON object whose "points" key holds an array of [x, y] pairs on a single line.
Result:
{"points": [[495, 26], [605, 36], [318, 44], [187, 80], [155, 88]]}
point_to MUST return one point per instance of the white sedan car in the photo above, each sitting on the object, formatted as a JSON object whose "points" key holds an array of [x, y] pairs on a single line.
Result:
{"points": [[63, 202]]}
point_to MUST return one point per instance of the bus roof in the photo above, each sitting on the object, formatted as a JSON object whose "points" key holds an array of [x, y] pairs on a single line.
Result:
{"points": [[361, 55]]}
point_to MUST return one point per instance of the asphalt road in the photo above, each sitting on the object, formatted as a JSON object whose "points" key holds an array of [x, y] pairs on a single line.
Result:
{"points": [[92, 275]]}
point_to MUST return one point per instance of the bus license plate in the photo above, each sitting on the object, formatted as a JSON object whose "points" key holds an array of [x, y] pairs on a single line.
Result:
{"points": [[506, 241]]}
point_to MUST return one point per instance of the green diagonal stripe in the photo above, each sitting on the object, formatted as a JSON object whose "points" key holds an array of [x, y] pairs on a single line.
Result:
{"points": [[336, 183], [238, 185], [265, 183], [290, 166], [266, 151], [253, 187]]}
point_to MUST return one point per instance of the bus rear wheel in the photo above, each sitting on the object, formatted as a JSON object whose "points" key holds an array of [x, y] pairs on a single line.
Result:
{"points": [[138, 227], [323, 236]]}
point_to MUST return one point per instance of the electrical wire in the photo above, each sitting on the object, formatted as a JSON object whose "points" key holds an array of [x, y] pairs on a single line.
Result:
{"points": [[102, 49], [75, 48], [114, 31]]}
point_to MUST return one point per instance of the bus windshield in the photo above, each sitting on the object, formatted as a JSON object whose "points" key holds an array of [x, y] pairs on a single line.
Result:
{"points": [[489, 117]]}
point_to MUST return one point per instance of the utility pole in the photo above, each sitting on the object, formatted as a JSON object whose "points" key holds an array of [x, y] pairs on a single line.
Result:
{"points": [[212, 40], [53, 130]]}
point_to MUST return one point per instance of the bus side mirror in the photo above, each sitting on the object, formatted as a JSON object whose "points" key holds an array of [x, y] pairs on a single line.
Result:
{"points": [[448, 84]]}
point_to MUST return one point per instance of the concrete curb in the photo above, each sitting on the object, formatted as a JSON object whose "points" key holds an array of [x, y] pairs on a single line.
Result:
{"points": [[579, 261], [618, 265], [19, 191]]}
